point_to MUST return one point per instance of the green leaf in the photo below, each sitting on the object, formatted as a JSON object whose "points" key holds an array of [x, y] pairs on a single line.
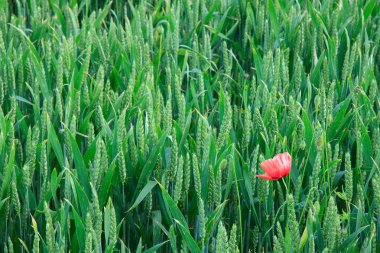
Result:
{"points": [[106, 184], [102, 15], [80, 165], [24, 100], [350, 239], [340, 120], [309, 137], [155, 247], [151, 161], [145, 191], [258, 62], [3, 201], [59, 14], [107, 220], [139, 246], [273, 18], [304, 237], [219, 27], [369, 8], [315, 75], [190, 242], [375, 167], [367, 147], [36, 64], [24, 245], [214, 218], [185, 132], [7, 176], [180, 220], [79, 228], [82, 197], [54, 184], [54, 142]]}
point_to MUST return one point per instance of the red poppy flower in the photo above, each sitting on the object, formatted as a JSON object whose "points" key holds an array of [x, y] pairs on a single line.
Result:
{"points": [[277, 167]]}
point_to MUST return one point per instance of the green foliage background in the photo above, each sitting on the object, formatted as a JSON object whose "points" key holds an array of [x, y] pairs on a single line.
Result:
{"points": [[140, 126]]}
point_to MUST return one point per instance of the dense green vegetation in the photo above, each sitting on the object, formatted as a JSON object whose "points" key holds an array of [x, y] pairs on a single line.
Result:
{"points": [[141, 127]]}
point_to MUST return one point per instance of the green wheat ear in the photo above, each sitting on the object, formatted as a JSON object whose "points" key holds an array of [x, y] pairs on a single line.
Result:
{"points": [[247, 127], [218, 183], [179, 180], [167, 121], [273, 128], [2, 91], [173, 238], [50, 234], [121, 157], [15, 200], [43, 170], [373, 91], [8, 246], [202, 219], [196, 176], [182, 112], [222, 239], [89, 233], [148, 204], [276, 245], [292, 222], [262, 185], [36, 240], [255, 238], [376, 191], [373, 237], [2, 45], [206, 149], [311, 244], [200, 135], [211, 187], [26, 180], [259, 123], [233, 239], [140, 133], [330, 228], [280, 238], [113, 224], [348, 177], [186, 176], [314, 179], [226, 124], [173, 158]]}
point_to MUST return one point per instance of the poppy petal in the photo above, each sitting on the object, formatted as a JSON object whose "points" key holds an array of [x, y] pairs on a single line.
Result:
{"points": [[287, 164], [270, 168], [277, 167], [266, 176], [284, 163]]}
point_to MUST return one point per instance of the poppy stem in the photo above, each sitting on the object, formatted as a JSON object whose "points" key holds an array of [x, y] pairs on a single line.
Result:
{"points": [[286, 187]]}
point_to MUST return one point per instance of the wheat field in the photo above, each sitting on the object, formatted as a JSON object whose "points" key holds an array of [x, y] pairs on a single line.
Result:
{"points": [[142, 126]]}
